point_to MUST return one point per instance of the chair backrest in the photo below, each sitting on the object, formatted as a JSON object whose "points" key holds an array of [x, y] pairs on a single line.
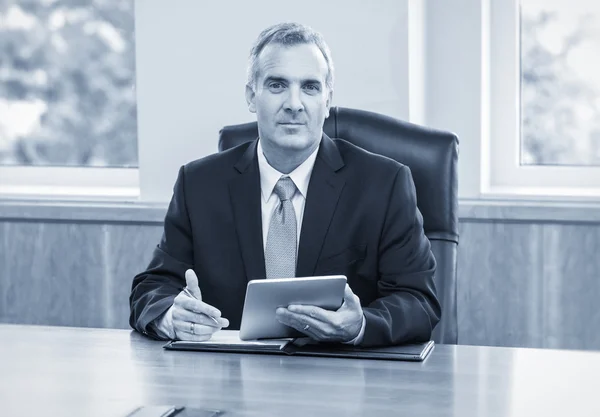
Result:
{"points": [[432, 157]]}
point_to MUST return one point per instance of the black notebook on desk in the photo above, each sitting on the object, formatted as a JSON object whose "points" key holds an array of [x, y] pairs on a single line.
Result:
{"points": [[229, 341]]}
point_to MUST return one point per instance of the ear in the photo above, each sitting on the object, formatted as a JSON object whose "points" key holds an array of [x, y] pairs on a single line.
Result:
{"points": [[328, 103], [251, 98]]}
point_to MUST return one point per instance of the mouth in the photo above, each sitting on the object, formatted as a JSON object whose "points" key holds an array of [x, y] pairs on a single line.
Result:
{"points": [[291, 124]]}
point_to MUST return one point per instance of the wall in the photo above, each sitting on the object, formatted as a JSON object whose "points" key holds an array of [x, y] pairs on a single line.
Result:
{"points": [[532, 284], [527, 275], [191, 68], [71, 273], [455, 78]]}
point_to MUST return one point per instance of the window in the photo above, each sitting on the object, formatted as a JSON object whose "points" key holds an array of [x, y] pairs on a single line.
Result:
{"points": [[560, 82], [544, 99], [67, 98]]}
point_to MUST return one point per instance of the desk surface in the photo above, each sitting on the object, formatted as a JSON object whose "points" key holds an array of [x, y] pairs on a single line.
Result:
{"points": [[54, 371]]}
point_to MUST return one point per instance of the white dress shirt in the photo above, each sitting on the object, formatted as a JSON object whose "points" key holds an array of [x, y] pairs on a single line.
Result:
{"points": [[269, 202]]}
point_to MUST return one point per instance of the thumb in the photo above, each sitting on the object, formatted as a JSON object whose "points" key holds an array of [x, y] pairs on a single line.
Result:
{"points": [[191, 281], [349, 297]]}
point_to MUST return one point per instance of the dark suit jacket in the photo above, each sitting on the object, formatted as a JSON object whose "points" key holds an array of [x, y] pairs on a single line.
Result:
{"points": [[360, 220]]}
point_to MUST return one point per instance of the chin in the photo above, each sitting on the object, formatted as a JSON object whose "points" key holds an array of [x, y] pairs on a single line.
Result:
{"points": [[295, 142]]}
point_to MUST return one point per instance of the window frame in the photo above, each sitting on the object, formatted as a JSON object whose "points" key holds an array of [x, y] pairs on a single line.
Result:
{"points": [[86, 183], [505, 176], [89, 183], [69, 183]]}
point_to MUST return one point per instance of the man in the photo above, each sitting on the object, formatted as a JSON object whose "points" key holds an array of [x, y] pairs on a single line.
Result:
{"points": [[291, 203]]}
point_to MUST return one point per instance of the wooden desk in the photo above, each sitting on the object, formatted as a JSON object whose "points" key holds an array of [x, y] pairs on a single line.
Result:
{"points": [[54, 371]]}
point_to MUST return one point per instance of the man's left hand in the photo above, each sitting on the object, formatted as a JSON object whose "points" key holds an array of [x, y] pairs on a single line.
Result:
{"points": [[342, 325]]}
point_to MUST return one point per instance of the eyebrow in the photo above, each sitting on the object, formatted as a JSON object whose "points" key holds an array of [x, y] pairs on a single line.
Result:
{"points": [[281, 79]]}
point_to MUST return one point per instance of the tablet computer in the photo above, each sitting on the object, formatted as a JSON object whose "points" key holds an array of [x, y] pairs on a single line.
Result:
{"points": [[264, 296]]}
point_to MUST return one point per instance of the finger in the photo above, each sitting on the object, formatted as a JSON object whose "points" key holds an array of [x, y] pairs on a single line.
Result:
{"points": [[186, 327], [190, 316], [312, 311], [191, 282], [316, 328], [184, 301], [182, 335]]}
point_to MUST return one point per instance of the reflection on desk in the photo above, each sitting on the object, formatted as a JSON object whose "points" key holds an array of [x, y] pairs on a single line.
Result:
{"points": [[99, 372]]}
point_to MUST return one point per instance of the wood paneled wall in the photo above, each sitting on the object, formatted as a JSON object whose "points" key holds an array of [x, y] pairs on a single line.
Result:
{"points": [[531, 284], [72, 274]]}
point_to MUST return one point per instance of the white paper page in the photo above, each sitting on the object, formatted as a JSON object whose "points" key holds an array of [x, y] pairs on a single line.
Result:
{"points": [[232, 337]]}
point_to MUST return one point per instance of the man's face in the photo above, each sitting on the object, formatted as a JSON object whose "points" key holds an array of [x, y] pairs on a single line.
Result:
{"points": [[291, 99]]}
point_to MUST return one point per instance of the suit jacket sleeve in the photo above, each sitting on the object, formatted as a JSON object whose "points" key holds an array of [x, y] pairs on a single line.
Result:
{"points": [[407, 309], [154, 290]]}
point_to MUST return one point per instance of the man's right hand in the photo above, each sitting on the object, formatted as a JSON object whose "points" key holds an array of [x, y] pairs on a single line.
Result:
{"points": [[192, 317]]}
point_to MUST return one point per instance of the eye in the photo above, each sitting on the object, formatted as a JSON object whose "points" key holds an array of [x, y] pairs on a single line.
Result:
{"points": [[312, 87], [275, 85]]}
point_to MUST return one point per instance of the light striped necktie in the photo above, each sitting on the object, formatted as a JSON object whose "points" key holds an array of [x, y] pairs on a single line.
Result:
{"points": [[280, 252]]}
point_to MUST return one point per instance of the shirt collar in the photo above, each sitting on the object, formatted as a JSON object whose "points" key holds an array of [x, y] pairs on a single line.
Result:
{"points": [[269, 175]]}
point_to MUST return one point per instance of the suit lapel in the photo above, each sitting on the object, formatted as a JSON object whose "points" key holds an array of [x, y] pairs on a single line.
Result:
{"points": [[324, 190], [244, 191]]}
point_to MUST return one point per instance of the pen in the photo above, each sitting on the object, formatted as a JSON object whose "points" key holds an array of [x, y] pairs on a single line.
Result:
{"points": [[185, 290]]}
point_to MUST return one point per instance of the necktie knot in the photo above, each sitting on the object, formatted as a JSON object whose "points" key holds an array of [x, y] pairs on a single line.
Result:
{"points": [[285, 188]]}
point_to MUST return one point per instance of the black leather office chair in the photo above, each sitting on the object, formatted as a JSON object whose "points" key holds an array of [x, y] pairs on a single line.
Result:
{"points": [[432, 157]]}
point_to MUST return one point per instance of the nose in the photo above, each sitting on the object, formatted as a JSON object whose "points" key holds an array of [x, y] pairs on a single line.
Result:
{"points": [[293, 102]]}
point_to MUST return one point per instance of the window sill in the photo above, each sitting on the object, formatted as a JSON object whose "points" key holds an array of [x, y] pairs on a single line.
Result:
{"points": [[154, 213], [82, 211], [529, 211]]}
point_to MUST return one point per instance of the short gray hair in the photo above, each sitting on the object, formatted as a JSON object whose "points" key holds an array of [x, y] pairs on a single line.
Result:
{"points": [[288, 34]]}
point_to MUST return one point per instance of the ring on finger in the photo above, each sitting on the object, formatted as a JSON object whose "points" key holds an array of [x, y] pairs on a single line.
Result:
{"points": [[192, 327]]}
